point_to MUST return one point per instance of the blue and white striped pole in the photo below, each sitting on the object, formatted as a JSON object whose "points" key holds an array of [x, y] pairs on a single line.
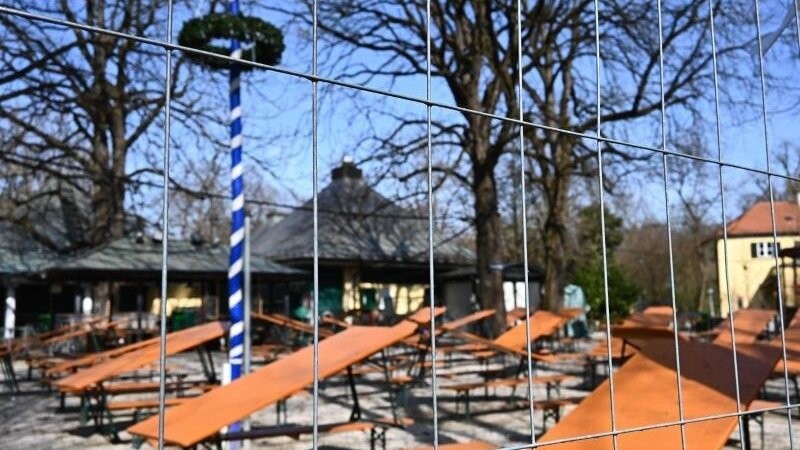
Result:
{"points": [[235, 278]]}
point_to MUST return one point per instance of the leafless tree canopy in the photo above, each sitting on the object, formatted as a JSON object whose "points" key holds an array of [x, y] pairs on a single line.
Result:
{"points": [[78, 107], [474, 52]]}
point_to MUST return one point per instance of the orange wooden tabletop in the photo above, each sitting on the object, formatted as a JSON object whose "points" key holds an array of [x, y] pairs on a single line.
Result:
{"points": [[638, 333], [423, 315], [652, 316], [288, 322], [47, 338], [203, 416], [466, 320], [177, 342], [747, 323], [645, 393], [543, 323], [92, 358]]}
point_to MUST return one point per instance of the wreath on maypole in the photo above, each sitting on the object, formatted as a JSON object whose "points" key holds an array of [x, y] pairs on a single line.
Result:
{"points": [[201, 32]]}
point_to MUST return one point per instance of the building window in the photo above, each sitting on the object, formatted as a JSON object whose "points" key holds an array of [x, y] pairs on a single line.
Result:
{"points": [[763, 249]]}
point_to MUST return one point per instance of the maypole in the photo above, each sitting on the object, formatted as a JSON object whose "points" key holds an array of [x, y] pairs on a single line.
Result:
{"points": [[235, 285], [267, 45], [235, 275]]}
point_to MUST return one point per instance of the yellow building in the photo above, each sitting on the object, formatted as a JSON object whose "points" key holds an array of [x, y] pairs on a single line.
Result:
{"points": [[751, 259]]}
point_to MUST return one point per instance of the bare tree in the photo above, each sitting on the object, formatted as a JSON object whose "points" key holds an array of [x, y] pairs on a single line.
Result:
{"points": [[77, 105], [200, 201], [474, 53]]}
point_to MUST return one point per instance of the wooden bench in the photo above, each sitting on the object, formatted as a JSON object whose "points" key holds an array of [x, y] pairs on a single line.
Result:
{"points": [[153, 386], [149, 403], [551, 408], [201, 418], [135, 406], [553, 382], [177, 342], [270, 352], [180, 386], [376, 428]]}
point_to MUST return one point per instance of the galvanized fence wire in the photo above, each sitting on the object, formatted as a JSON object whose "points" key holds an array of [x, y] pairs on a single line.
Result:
{"points": [[430, 103], [653, 426], [523, 199], [315, 176], [667, 215], [718, 137], [602, 201], [764, 114], [431, 279], [162, 357]]}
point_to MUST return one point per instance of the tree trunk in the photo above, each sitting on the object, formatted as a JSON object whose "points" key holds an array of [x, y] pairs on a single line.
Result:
{"points": [[109, 147], [555, 269], [108, 214], [487, 227], [554, 231]]}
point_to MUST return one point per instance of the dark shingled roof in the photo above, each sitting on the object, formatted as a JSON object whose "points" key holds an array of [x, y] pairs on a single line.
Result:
{"points": [[38, 232], [129, 254], [355, 224], [57, 218], [511, 272], [21, 254]]}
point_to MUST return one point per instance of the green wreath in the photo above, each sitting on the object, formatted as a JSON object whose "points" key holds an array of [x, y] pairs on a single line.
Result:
{"points": [[199, 32]]}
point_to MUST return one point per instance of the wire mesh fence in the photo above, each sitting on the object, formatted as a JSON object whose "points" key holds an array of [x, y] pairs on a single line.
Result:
{"points": [[685, 418]]}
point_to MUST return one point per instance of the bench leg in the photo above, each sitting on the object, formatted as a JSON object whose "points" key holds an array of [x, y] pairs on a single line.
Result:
{"points": [[84, 416], [553, 413], [111, 427], [398, 398], [281, 412], [544, 420], [136, 442], [466, 407], [11, 376], [745, 439]]}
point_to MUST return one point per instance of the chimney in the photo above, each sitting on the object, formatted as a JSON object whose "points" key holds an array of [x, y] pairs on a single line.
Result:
{"points": [[347, 170]]}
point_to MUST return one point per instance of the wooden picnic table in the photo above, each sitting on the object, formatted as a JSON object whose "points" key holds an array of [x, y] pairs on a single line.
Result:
{"points": [[645, 394], [202, 417], [177, 342]]}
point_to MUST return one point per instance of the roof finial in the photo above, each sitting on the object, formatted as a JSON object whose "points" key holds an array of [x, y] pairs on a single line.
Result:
{"points": [[348, 170]]}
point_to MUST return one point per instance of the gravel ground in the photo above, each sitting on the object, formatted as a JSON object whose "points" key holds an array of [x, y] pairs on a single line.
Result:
{"points": [[33, 421]]}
